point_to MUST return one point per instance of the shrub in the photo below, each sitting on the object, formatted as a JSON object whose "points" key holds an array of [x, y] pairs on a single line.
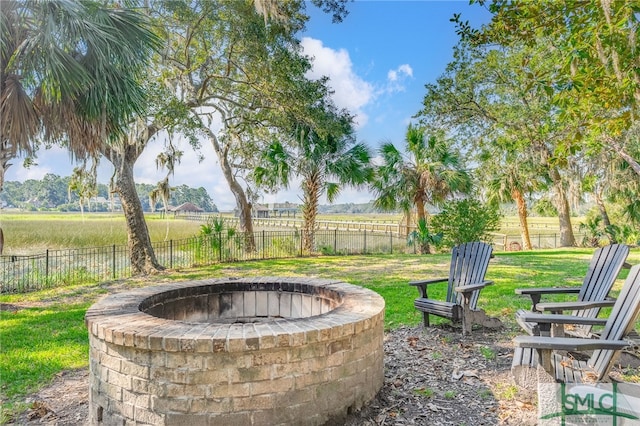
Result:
{"points": [[465, 220]]}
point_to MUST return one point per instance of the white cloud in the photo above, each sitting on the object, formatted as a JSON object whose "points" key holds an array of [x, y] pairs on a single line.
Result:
{"points": [[406, 69], [350, 91], [396, 77], [44, 164]]}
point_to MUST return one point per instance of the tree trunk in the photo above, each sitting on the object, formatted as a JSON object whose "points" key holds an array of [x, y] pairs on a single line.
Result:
{"points": [[143, 258], [311, 191], [243, 204], [6, 154], [522, 215], [567, 239], [606, 222], [123, 158], [425, 247]]}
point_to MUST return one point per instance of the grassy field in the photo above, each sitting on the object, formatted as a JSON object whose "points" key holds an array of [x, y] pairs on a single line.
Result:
{"points": [[43, 333], [35, 232], [29, 233]]}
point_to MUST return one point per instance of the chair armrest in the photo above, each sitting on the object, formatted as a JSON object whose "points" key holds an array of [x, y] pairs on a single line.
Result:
{"points": [[422, 285], [536, 293], [548, 290], [427, 282], [561, 319], [567, 306], [567, 343], [473, 287]]}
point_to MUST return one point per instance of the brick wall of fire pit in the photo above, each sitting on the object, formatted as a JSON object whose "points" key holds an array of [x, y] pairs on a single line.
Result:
{"points": [[265, 351]]}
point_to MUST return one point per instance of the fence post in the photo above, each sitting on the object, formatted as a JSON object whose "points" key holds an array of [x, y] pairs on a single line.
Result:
{"points": [[263, 244], [390, 242], [113, 262], [170, 253], [335, 241], [46, 264], [365, 242]]}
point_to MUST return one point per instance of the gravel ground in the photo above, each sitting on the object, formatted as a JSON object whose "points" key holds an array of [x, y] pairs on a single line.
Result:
{"points": [[433, 376]]}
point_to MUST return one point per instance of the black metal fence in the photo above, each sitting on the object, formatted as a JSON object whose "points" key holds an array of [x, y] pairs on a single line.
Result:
{"points": [[53, 268]]}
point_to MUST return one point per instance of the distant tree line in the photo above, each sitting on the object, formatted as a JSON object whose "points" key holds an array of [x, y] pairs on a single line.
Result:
{"points": [[53, 193]]}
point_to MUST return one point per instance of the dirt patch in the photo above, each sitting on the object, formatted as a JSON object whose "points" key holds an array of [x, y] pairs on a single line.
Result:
{"points": [[432, 376], [64, 402]]}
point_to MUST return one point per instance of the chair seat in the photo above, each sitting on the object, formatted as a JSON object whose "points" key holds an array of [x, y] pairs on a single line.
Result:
{"points": [[570, 370], [440, 308], [528, 327]]}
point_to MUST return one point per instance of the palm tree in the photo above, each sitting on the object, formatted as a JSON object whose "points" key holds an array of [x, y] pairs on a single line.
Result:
{"points": [[510, 175], [83, 182], [430, 172], [68, 70], [70, 73], [326, 161]]}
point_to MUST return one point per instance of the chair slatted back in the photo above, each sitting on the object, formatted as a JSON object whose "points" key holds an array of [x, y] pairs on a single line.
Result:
{"points": [[621, 321], [469, 263], [604, 268]]}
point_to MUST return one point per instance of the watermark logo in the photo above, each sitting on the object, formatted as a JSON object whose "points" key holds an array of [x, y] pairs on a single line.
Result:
{"points": [[589, 404]]}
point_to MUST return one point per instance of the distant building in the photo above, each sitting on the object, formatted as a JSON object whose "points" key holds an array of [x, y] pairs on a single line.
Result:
{"points": [[186, 208], [282, 209], [104, 204], [259, 211]]}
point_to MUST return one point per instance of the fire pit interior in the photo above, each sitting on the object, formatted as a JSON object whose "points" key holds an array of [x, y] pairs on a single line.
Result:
{"points": [[260, 351]]}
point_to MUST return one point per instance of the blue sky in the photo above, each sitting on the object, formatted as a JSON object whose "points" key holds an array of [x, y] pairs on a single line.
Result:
{"points": [[378, 59]]}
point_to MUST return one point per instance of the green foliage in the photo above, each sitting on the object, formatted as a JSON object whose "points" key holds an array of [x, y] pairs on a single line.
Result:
{"points": [[625, 234], [466, 220], [52, 193], [426, 392], [450, 394], [215, 240], [488, 353], [286, 246], [423, 238], [593, 231], [79, 64], [545, 207], [430, 172]]}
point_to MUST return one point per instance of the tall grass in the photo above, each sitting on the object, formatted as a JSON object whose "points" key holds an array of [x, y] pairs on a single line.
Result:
{"points": [[34, 233]]}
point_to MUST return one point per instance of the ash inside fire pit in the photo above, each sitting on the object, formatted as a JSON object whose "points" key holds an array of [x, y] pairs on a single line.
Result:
{"points": [[242, 302]]}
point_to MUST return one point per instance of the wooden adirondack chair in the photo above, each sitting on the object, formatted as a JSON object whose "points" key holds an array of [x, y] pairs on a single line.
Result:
{"points": [[468, 267], [566, 369], [604, 268]]}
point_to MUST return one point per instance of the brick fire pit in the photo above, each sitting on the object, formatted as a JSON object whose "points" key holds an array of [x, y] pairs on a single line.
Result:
{"points": [[259, 351]]}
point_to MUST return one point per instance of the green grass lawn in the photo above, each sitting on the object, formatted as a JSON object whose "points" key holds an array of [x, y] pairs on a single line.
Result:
{"points": [[46, 335]]}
